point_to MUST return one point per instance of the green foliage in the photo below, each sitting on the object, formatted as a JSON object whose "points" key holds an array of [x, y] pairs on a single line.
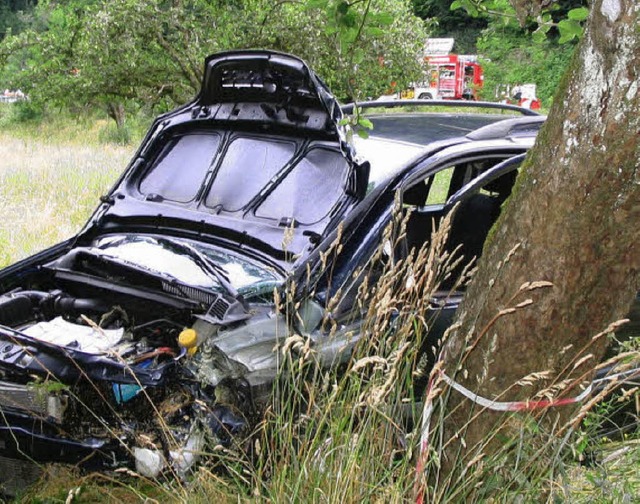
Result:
{"points": [[357, 123], [358, 48], [127, 52], [110, 133], [47, 386], [15, 15], [578, 14], [477, 8], [458, 24], [569, 29], [517, 49], [20, 112], [513, 56], [103, 53], [565, 18]]}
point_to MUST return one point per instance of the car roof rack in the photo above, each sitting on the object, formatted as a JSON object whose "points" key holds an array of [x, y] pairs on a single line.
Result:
{"points": [[349, 107], [519, 126]]}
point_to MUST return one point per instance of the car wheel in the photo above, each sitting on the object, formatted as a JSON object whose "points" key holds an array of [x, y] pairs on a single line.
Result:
{"points": [[425, 96]]}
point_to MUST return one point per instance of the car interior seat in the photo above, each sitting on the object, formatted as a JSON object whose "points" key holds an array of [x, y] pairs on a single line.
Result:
{"points": [[419, 225], [473, 219]]}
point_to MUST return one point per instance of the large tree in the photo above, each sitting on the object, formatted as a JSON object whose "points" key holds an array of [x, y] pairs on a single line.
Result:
{"points": [[571, 228], [119, 52]]}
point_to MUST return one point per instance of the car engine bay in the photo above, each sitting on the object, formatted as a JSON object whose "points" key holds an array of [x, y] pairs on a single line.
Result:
{"points": [[117, 363]]}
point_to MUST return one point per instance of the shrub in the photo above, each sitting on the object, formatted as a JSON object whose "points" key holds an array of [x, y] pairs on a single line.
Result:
{"points": [[114, 135], [23, 111]]}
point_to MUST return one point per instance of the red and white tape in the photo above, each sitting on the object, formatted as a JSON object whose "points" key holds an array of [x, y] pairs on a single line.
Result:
{"points": [[489, 404], [528, 405]]}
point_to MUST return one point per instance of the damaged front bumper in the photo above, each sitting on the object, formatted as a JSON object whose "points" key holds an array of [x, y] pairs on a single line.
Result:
{"points": [[145, 434]]}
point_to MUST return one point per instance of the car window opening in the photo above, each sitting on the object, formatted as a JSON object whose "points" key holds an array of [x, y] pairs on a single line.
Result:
{"points": [[474, 216]]}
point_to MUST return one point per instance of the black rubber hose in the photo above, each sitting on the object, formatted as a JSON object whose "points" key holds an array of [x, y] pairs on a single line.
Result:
{"points": [[64, 305], [19, 307], [36, 297]]}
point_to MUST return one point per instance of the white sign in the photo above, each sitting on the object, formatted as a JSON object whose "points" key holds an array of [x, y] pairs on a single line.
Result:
{"points": [[438, 46]]}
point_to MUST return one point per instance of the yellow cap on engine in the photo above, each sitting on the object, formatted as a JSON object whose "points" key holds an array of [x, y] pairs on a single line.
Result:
{"points": [[188, 339]]}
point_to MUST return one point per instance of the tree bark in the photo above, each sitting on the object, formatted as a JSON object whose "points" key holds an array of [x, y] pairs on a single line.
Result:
{"points": [[116, 111], [573, 223]]}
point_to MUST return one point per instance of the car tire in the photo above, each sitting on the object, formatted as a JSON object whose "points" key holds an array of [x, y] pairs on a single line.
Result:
{"points": [[425, 96]]}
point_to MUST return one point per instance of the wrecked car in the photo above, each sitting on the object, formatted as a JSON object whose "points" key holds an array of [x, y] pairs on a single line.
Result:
{"points": [[153, 329]]}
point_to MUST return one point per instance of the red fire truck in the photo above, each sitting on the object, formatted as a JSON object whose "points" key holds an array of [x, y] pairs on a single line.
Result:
{"points": [[448, 77]]}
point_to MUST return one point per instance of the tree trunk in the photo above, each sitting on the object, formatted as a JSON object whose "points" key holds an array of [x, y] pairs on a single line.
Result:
{"points": [[115, 110], [573, 223]]}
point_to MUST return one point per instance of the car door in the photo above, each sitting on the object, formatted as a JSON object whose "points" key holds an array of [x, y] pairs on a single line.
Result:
{"points": [[333, 315], [474, 190], [476, 207], [429, 192], [429, 196]]}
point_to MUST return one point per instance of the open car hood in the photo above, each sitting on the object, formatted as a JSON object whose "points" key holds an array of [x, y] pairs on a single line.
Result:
{"points": [[268, 87], [258, 159]]}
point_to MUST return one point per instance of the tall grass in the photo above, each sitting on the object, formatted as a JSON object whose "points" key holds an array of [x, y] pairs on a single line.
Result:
{"points": [[345, 435], [47, 190], [84, 126], [349, 433], [352, 434]]}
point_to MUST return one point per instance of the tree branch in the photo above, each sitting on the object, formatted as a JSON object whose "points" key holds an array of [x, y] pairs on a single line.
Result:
{"points": [[186, 70]]}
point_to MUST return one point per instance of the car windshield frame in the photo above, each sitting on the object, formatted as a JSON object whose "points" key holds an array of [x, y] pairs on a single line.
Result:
{"points": [[244, 275], [406, 130]]}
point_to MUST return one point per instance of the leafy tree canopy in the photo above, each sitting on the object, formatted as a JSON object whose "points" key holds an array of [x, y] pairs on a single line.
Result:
{"points": [[132, 52], [15, 15], [457, 23], [517, 49]]}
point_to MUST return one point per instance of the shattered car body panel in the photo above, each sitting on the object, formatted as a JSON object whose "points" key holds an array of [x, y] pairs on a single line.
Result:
{"points": [[156, 329]]}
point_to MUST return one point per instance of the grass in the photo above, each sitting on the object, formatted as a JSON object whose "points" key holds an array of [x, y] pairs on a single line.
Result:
{"points": [[83, 127], [342, 436], [614, 478], [48, 190]]}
